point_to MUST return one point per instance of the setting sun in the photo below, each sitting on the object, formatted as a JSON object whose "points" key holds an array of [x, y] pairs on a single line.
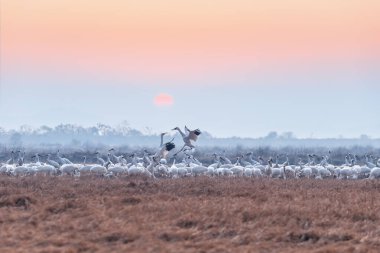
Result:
{"points": [[163, 99]]}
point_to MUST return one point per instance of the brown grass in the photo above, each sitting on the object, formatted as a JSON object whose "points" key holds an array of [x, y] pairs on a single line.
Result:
{"points": [[188, 215]]}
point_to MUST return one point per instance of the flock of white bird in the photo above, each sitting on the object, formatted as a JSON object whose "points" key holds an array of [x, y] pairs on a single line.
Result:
{"points": [[156, 165]]}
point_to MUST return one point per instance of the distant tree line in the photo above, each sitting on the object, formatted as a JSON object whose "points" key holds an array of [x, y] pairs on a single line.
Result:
{"points": [[74, 137]]}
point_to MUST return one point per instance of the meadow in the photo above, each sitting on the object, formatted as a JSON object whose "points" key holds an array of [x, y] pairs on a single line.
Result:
{"points": [[195, 214]]}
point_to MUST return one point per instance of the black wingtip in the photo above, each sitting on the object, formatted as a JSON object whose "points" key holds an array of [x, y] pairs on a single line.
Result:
{"points": [[197, 132], [169, 146]]}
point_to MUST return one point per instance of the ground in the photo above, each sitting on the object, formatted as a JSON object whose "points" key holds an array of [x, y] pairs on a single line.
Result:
{"points": [[188, 215]]}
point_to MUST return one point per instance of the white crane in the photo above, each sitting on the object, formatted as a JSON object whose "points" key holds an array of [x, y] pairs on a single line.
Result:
{"points": [[20, 160], [162, 139], [117, 169], [346, 171], [158, 160], [164, 151], [109, 162], [11, 160], [98, 170], [44, 169], [20, 171], [114, 158], [85, 169], [188, 137], [69, 169], [250, 158], [173, 170], [375, 173], [101, 160], [360, 171], [62, 160], [275, 172], [136, 168], [225, 159], [370, 165], [302, 171], [51, 162], [237, 169], [5, 168], [37, 163]]}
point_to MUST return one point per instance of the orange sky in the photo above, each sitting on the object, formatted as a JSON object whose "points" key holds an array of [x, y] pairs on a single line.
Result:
{"points": [[185, 38]]}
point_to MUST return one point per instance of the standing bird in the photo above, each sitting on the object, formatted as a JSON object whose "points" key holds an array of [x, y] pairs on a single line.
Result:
{"points": [[62, 160], [114, 158], [11, 160], [51, 162], [100, 160], [108, 162], [189, 137]]}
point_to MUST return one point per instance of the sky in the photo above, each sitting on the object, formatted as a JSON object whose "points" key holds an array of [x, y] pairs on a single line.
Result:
{"points": [[232, 68]]}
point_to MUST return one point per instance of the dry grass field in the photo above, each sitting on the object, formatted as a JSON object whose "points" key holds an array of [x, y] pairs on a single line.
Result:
{"points": [[188, 215]]}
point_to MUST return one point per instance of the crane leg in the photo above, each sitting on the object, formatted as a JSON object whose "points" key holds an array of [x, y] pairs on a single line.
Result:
{"points": [[180, 149]]}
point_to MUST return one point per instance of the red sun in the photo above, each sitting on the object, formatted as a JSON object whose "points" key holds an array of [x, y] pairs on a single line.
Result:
{"points": [[163, 99]]}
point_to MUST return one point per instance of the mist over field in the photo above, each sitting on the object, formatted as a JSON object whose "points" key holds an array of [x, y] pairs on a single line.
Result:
{"points": [[101, 135], [76, 141]]}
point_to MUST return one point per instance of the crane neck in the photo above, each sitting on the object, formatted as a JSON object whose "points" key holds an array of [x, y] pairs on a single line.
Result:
{"points": [[180, 131]]}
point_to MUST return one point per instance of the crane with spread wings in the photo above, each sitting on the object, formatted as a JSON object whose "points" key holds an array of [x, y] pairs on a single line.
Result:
{"points": [[188, 137]]}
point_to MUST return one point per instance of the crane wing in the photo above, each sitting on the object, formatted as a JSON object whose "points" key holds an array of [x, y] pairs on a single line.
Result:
{"points": [[193, 135], [187, 130], [166, 149]]}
